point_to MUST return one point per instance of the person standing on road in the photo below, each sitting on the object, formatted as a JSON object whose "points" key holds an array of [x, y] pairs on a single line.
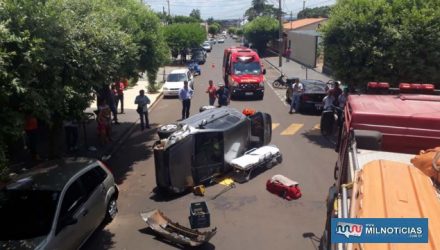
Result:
{"points": [[288, 52], [142, 101], [185, 95], [297, 90], [212, 90], [222, 95]]}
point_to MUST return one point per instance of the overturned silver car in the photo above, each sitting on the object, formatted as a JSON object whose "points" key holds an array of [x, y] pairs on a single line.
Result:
{"points": [[201, 147]]}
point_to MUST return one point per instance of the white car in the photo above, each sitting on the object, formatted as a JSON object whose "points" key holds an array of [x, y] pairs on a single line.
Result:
{"points": [[207, 46], [175, 80], [221, 40], [255, 158]]}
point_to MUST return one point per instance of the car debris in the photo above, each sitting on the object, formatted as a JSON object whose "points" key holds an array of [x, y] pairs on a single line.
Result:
{"points": [[199, 190], [256, 158], [175, 232], [284, 187]]}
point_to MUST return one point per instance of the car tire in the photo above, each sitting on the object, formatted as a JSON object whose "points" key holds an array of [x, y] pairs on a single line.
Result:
{"points": [[279, 159], [111, 210], [166, 130]]}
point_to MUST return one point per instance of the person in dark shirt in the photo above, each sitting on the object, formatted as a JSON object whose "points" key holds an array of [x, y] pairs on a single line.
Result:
{"points": [[222, 95]]}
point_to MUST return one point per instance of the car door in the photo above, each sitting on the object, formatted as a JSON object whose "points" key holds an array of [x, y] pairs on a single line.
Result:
{"points": [[72, 219], [95, 191], [261, 129]]}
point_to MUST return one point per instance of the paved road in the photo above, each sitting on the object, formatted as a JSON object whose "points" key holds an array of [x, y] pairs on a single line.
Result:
{"points": [[247, 217]]}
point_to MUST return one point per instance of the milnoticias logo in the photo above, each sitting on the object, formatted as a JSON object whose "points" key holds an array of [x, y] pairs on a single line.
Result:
{"points": [[349, 229], [379, 230]]}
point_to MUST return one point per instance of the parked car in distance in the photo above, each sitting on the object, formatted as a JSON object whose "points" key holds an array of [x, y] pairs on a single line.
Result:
{"points": [[175, 80], [207, 46], [198, 56], [221, 40], [311, 98], [212, 41], [56, 205]]}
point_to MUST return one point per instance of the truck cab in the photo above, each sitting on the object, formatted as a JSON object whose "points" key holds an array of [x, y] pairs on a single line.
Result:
{"points": [[204, 144], [243, 72]]}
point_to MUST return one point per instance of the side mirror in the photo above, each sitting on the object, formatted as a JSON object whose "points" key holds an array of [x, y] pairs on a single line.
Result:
{"points": [[264, 71]]}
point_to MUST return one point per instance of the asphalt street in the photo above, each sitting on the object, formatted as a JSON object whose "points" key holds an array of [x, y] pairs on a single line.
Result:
{"points": [[247, 217]]}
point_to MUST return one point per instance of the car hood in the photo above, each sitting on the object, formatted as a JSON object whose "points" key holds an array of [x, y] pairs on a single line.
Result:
{"points": [[248, 79], [34, 243], [173, 85]]}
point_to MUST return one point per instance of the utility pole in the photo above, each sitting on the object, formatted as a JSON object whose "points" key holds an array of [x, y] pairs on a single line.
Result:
{"points": [[169, 13], [291, 18], [304, 4], [280, 37]]}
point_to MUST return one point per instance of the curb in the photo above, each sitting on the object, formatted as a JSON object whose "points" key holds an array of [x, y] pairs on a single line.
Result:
{"points": [[126, 134]]}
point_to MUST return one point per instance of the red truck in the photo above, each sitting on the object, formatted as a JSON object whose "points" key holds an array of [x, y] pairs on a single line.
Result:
{"points": [[243, 72]]}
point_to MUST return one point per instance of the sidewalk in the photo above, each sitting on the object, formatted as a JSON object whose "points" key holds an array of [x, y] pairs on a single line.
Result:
{"points": [[294, 69], [88, 141]]}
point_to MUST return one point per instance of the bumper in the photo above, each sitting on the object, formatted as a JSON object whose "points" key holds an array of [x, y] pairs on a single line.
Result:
{"points": [[171, 92], [238, 92]]}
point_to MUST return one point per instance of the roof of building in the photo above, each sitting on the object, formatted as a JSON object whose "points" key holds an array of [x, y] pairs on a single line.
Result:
{"points": [[301, 23]]}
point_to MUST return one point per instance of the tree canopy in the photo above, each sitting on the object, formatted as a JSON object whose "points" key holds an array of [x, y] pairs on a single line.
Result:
{"points": [[54, 53], [322, 11], [181, 36], [394, 41], [260, 31], [214, 28], [261, 8], [195, 13]]}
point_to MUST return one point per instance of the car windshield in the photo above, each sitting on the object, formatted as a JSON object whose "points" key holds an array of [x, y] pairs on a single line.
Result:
{"points": [[314, 86], [26, 214], [207, 44], [247, 68], [176, 77]]}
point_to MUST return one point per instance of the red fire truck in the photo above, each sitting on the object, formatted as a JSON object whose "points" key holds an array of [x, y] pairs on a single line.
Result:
{"points": [[243, 72]]}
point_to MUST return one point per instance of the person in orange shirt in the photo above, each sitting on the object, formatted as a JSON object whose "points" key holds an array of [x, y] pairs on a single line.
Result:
{"points": [[119, 87]]}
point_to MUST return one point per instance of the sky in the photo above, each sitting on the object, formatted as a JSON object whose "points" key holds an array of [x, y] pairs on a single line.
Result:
{"points": [[228, 9]]}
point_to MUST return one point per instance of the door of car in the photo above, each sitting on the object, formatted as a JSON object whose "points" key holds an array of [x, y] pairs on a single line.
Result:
{"points": [[261, 129], [72, 220], [92, 182], [208, 159]]}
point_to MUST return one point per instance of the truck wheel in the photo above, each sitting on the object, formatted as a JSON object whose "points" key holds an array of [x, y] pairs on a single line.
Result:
{"points": [[166, 130]]}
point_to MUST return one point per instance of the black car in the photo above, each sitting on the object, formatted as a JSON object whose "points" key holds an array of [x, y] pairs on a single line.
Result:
{"points": [[198, 57], [311, 98]]}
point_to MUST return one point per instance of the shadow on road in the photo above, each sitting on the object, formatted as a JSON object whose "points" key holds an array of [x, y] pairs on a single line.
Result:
{"points": [[149, 231], [315, 240], [135, 150], [164, 196], [314, 136], [101, 237]]}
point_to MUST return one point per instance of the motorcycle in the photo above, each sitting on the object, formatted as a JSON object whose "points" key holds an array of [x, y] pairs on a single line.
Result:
{"points": [[280, 82], [194, 67]]}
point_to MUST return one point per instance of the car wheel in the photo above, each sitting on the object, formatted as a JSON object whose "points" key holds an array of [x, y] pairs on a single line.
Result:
{"points": [[280, 159], [166, 130], [112, 209]]}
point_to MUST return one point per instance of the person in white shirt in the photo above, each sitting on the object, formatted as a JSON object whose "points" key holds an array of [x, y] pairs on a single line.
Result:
{"points": [[142, 101], [185, 95], [297, 90], [328, 100]]}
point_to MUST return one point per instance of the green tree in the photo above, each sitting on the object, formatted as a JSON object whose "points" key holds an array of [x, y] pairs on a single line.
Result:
{"points": [[210, 20], [394, 41], [260, 31], [260, 8], [214, 28], [54, 53], [180, 36], [322, 11], [195, 13], [183, 19], [232, 30]]}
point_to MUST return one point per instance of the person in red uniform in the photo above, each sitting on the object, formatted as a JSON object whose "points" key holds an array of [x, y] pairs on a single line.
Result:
{"points": [[119, 87]]}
